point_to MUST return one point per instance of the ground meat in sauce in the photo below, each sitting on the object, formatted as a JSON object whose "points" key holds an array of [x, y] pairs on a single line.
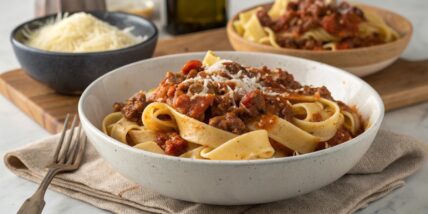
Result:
{"points": [[167, 87], [229, 122], [133, 108], [171, 143], [279, 106], [341, 136], [198, 87], [279, 79], [254, 103], [264, 18], [222, 105], [316, 91], [279, 148], [341, 20], [233, 67], [344, 107], [358, 42], [215, 104]]}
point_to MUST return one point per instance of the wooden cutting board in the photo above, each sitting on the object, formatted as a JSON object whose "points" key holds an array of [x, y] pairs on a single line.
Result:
{"points": [[402, 84]]}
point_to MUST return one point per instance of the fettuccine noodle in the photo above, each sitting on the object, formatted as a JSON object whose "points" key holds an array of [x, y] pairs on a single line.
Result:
{"points": [[220, 110], [314, 25]]}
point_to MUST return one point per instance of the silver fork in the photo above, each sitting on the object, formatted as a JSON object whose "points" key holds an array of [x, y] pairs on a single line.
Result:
{"points": [[66, 158]]}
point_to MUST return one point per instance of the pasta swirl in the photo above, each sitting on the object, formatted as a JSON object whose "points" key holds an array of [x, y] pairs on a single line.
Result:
{"points": [[252, 120], [314, 25]]}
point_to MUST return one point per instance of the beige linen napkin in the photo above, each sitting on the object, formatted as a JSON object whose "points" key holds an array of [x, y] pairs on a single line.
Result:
{"points": [[390, 159]]}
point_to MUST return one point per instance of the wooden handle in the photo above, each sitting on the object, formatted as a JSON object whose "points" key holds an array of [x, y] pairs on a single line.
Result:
{"points": [[36, 203], [33, 205]]}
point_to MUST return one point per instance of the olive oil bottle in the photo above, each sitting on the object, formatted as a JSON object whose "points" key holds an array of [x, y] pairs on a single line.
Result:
{"points": [[186, 16]]}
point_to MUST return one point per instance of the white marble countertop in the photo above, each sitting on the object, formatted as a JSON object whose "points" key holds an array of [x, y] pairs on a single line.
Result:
{"points": [[16, 129]]}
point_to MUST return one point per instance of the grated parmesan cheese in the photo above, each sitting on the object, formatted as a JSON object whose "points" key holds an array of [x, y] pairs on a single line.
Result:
{"points": [[217, 66], [244, 84], [80, 32], [205, 89]]}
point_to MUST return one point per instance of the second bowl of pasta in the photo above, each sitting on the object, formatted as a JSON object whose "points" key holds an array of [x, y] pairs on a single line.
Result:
{"points": [[244, 127], [358, 38]]}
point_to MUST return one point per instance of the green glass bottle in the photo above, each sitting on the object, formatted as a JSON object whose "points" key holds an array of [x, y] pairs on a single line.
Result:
{"points": [[186, 16]]}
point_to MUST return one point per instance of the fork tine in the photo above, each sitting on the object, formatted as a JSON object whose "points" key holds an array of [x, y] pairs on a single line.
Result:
{"points": [[80, 152], [76, 142], [63, 155], [61, 139]]}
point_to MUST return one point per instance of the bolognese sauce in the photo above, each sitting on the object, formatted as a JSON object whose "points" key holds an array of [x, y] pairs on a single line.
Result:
{"points": [[226, 95], [341, 20]]}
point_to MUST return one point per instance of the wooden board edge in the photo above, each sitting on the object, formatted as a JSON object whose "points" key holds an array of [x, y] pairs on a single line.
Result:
{"points": [[24, 103], [412, 97]]}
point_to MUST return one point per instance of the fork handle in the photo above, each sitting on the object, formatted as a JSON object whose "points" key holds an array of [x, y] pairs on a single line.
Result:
{"points": [[36, 202]]}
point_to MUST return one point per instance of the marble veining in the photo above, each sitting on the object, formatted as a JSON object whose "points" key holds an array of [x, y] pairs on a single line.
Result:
{"points": [[16, 129]]}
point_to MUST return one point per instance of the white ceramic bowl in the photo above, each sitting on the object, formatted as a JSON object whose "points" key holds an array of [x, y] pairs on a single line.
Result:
{"points": [[229, 182]]}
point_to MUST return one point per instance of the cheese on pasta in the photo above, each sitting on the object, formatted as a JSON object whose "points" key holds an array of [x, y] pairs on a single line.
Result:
{"points": [[314, 122], [214, 65], [80, 32]]}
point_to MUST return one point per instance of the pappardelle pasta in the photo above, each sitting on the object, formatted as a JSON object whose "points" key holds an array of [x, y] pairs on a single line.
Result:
{"points": [[314, 25], [221, 110]]}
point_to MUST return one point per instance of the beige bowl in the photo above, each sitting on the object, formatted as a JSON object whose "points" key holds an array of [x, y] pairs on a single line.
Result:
{"points": [[359, 61]]}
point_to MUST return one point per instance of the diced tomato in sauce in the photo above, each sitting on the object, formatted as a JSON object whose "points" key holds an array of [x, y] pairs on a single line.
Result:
{"points": [[199, 105], [191, 65], [171, 143]]}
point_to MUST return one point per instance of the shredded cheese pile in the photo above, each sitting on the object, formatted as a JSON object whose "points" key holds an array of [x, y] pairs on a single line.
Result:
{"points": [[80, 32]]}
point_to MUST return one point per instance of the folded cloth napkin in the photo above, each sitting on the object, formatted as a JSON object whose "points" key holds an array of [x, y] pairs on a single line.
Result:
{"points": [[390, 159]]}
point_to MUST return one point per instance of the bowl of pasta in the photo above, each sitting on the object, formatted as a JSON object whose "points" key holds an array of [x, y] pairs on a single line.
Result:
{"points": [[358, 38], [233, 128]]}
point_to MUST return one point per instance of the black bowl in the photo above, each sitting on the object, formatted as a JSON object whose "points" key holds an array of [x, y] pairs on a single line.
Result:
{"points": [[70, 73]]}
